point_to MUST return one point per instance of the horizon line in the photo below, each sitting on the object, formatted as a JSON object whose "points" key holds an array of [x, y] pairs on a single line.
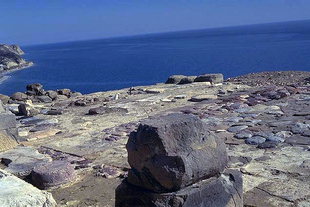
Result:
{"points": [[163, 32]]}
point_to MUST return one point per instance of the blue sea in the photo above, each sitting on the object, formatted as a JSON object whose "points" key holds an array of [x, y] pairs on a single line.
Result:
{"points": [[115, 63]]}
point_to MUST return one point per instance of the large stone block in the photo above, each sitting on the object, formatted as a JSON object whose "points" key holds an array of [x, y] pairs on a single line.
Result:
{"points": [[15, 192], [170, 152], [52, 174], [213, 78], [222, 191]]}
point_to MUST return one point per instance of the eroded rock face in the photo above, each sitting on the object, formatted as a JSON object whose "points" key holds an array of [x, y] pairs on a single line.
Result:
{"points": [[10, 57], [169, 152]]}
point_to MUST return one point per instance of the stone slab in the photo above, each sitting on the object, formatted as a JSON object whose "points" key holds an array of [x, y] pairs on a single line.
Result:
{"points": [[6, 141], [15, 192]]}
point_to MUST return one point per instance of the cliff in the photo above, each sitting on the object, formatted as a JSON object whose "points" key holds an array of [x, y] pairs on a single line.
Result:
{"points": [[10, 58]]}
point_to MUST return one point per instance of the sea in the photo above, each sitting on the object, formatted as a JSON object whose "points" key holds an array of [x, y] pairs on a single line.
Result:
{"points": [[115, 63]]}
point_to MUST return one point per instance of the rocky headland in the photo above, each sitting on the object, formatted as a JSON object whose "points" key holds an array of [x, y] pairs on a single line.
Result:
{"points": [[241, 142], [10, 58]]}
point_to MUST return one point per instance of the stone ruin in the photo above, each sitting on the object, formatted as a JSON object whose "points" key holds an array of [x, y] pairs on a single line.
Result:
{"points": [[176, 161]]}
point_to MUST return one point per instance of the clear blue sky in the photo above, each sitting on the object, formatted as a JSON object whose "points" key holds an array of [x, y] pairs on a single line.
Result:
{"points": [[43, 21]]}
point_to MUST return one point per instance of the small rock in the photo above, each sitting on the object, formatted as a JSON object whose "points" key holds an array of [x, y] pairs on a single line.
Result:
{"points": [[154, 90], [54, 112], [275, 139], [266, 145], [183, 96], [235, 129], [200, 98], [44, 99], [106, 110], [284, 134], [243, 135], [255, 140]]}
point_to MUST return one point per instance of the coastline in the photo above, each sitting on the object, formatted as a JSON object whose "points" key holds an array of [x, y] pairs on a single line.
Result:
{"points": [[259, 125], [4, 74]]}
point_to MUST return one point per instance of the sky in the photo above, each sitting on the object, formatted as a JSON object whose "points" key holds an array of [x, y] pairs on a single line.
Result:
{"points": [[28, 22]]}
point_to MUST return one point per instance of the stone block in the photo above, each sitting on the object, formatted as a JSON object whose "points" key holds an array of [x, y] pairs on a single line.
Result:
{"points": [[222, 191], [213, 78], [170, 152]]}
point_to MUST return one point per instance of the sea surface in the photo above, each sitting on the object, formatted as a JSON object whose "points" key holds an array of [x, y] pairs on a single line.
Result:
{"points": [[115, 63]]}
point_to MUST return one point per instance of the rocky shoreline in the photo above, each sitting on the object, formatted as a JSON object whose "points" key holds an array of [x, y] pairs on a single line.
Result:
{"points": [[73, 146], [11, 60]]}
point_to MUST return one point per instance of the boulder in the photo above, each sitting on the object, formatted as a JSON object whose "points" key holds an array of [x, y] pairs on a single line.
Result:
{"points": [[5, 99], [52, 174], [175, 79], [15, 192], [187, 80], [35, 89], [106, 110], [212, 78], [65, 92], [51, 94], [223, 191], [26, 110], [19, 96], [170, 152]]}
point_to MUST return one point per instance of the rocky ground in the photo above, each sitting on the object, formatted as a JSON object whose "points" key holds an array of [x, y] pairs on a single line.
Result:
{"points": [[266, 130]]}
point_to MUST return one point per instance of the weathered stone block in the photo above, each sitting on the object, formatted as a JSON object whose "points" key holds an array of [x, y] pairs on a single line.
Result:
{"points": [[52, 174], [175, 79], [213, 78], [170, 152], [187, 80], [222, 191]]}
